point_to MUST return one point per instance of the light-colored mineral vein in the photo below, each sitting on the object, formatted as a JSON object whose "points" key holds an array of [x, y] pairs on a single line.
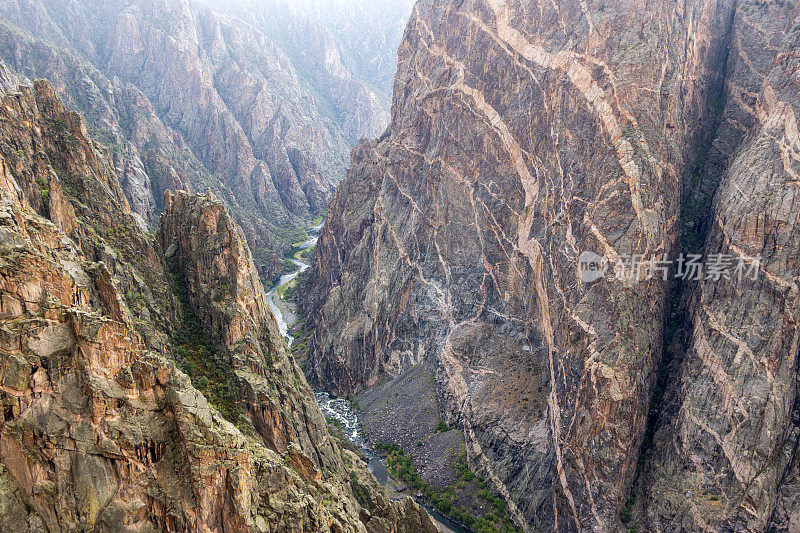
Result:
{"points": [[581, 77], [528, 246], [743, 471], [585, 9]]}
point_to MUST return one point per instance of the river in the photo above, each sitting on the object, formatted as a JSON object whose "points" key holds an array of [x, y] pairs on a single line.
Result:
{"points": [[331, 406], [283, 311], [341, 410]]}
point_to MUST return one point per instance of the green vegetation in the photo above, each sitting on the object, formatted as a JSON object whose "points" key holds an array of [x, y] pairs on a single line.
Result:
{"points": [[494, 516], [302, 340], [287, 265], [222, 291], [296, 247], [360, 491], [354, 404], [134, 298], [207, 366], [627, 510], [334, 422], [305, 255], [288, 292], [462, 468], [401, 466], [442, 427], [44, 189]]}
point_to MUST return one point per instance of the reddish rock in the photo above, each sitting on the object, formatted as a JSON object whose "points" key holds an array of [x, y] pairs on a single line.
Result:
{"points": [[99, 430]]}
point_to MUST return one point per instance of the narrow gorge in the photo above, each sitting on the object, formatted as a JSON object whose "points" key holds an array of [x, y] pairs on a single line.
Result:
{"points": [[112, 420], [386, 266]]}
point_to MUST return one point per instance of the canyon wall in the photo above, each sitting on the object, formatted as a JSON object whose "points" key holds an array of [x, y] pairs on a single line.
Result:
{"points": [[367, 32], [723, 453], [524, 135], [346, 51]]}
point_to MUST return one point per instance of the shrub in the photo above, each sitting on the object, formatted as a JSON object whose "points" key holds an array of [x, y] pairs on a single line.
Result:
{"points": [[627, 510]]}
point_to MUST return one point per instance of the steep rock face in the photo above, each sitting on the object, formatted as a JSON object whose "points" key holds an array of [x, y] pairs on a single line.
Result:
{"points": [[190, 73], [51, 167], [368, 33], [318, 57], [98, 429], [522, 136], [203, 242], [230, 302], [121, 116]]}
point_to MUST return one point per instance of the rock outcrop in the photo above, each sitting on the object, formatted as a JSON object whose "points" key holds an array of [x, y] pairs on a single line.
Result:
{"points": [[99, 429], [203, 242], [523, 136]]}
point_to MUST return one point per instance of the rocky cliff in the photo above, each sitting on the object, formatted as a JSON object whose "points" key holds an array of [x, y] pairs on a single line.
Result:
{"points": [[105, 426], [324, 60], [189, 98], [724, 448], [366, 34], [524, 135]]}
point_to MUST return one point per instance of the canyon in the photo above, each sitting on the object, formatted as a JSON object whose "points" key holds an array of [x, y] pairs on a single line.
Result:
{"points": [[191, 98], [523, 135], [113, 418], [555, 287]]}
